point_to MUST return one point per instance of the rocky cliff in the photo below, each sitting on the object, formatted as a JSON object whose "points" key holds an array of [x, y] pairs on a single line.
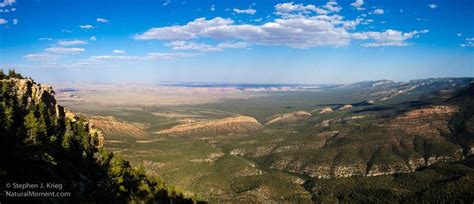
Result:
{"points": [[30, 94]]}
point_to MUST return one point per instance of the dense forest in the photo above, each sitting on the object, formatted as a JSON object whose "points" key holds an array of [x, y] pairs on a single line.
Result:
{"points": [[40, 145]]}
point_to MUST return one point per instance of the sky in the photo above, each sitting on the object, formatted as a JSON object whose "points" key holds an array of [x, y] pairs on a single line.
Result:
{"points": [[237, 41]]}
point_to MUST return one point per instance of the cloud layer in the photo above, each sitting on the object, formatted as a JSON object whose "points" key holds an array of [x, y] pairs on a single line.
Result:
{"points": [[296, 26]]}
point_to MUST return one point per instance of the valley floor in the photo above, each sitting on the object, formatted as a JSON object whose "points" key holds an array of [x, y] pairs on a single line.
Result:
{"points": [[300, 147]]}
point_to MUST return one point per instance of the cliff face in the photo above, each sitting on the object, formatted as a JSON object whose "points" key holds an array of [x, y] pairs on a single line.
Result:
{"points": [[30, 94]]}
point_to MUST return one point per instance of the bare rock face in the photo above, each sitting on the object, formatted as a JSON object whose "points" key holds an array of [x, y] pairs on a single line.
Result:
{"points": [[288, 117], [30, 93], [345, 107], [326, 110], [237, 124]]}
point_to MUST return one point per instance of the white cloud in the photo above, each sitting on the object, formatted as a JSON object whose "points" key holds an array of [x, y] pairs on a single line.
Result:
{"points": [[469, 42], [118, 51], [170, 55], [49, 39], [183, 45], [226, 45], [125, 58], [41, 57], [213, 7], [387, 38], [102, 20], [87, 27], [166, 3], [3, 21], [433, 6], [15, 21], [298, 26], [290, 8], [299, 32], [6, 3], [358, 3], [379, 11], [66, 31], [386, 44], [113, 57], [71, 42], [93, 38], [332, 6], [202, 47], [459, 34], [245, 11], [186, 32], [64, 50]]}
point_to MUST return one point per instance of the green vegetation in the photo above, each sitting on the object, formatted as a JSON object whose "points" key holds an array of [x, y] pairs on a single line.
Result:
{"points": [[11, 74], [270, 165], [40, 145], [439, 183]]}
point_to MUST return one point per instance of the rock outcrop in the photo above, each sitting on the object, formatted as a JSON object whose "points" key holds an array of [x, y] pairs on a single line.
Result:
{"points": [[345, 107], [326, 110], [29, 94], [288, 117], [237, 124]]}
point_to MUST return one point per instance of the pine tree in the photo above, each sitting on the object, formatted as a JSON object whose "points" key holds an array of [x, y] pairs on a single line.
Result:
{"points": [[32, 129]]}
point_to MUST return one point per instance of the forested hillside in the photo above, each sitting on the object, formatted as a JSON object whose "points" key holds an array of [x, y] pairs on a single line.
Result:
{"points": [[42, 142]]}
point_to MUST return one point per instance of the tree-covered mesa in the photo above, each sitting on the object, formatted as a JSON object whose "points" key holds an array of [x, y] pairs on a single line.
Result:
{"points": [[39, 143]]}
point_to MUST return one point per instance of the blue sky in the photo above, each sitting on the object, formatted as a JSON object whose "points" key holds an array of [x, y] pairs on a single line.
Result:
{"points": [[237, 41]]}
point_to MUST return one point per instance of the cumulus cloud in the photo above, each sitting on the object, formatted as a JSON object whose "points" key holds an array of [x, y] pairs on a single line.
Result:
{"points": [[189, 31], [6, 3], [332, 6], [357, 4], [15, 21], [433, 6], [118, 51], [245, 11], [64, 50], [212, 8], [387, 38], [299, 9], [3, 21], [102, 20], [93, 38], [299, 32], [71, 42], [379, 11], [298, 26], [87, 27]]}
